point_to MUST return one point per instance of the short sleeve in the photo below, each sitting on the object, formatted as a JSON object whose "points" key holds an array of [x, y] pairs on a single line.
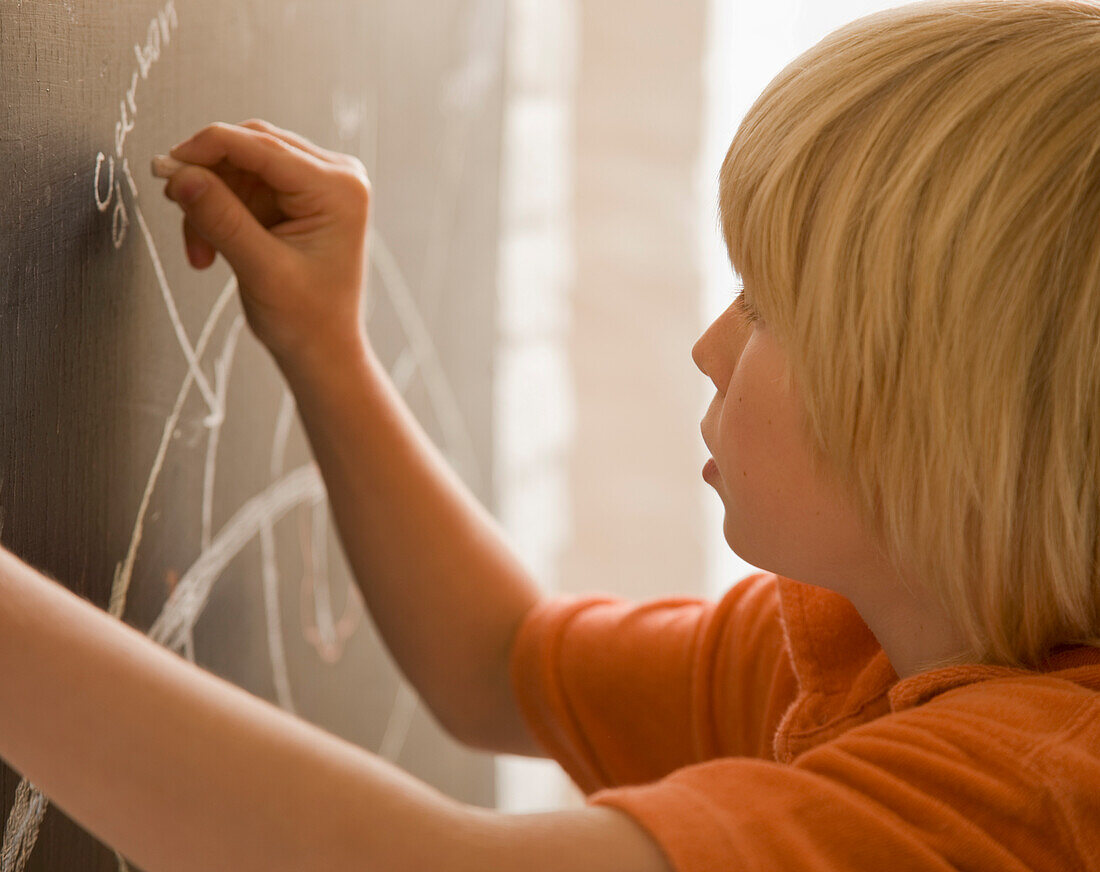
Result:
{"points": [[623, 693], [889, 795]]}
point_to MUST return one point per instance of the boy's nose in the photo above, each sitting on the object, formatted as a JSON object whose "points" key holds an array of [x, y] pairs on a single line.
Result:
{"points": [[703, 351], [697, 353]]}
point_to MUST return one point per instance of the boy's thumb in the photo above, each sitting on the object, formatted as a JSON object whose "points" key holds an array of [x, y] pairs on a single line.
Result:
{"points": [[219, 216]]}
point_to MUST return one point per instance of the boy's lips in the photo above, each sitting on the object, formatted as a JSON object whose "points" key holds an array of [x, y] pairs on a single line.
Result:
{"points": [[710, 467]]}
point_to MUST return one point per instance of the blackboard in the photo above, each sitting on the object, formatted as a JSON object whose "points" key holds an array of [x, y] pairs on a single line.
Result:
{"points": [[151, 458]]}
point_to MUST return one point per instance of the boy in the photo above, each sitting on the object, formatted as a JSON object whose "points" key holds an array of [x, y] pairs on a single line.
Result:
{"points": [[906, 420]]}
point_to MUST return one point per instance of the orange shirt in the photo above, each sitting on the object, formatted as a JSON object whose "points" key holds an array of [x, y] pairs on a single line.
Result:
{"points": [[768, 731]]}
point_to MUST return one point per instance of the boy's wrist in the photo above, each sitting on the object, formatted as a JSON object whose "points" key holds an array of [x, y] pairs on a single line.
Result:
{"points": [[323, 354]]}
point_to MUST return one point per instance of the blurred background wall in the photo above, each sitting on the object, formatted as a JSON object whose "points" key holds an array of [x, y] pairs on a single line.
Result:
{"points": [[617, 117]]}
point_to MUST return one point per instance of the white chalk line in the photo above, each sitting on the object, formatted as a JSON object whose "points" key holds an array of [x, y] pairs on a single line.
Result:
{"points": [[270, 567], [216, 412], [190, 595], [222, 367], [283, 420], [129, 176], [275, 649], [327, 636], [322, 594], [124, 570]]}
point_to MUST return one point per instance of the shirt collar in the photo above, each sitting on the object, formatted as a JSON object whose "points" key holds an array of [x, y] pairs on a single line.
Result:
{"points": [[844, 677]]}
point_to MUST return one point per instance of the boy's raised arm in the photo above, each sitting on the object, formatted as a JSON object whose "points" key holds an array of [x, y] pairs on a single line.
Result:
{"points": [[442, 585], [178, 769]]}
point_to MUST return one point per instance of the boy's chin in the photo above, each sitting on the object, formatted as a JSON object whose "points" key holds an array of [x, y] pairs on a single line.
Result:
{"points": [[741, 545], [734, 538]]}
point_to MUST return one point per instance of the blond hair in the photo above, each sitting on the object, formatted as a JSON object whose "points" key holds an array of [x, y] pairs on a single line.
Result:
{"points": [[914, 205]]}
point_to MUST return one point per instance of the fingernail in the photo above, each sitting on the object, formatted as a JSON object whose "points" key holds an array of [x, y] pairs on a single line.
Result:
{"points": [[191, 190], [163, 166]]}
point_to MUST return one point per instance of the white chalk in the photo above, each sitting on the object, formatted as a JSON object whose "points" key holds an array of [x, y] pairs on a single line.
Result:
{"points": [[164, 165]]}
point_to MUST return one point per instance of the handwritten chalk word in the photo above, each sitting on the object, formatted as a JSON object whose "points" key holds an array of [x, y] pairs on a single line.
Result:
{"points": [[158, 35], [120, 220], [159, 31]]}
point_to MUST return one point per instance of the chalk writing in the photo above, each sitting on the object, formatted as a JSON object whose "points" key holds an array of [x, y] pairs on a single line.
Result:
{"points": [[102, 203], [158, 34]]}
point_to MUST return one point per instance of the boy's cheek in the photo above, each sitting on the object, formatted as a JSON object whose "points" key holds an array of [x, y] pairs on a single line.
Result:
{"points": [[766, 480]]}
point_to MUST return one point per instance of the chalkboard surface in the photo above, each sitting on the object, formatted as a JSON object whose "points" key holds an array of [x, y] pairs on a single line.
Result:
{"points": [[151, 458]]}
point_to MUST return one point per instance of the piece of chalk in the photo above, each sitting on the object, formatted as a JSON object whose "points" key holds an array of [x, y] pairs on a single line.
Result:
{"points": [[164, 165]]}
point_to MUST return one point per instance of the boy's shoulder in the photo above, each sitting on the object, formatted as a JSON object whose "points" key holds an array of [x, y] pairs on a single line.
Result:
{"points": [[1021, 710]]}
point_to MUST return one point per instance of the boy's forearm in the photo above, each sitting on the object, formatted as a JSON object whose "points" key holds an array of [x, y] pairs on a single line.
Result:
{"points": [[178, 769], [441, 583]]}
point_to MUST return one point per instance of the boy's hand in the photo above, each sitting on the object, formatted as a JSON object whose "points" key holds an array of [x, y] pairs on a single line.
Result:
{"points": [[290, 218]]}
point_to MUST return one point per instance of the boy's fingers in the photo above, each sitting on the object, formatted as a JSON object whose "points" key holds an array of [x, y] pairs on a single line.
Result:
{"points": [[292, 138], [218, 216], [200, 253], [283, 166]]}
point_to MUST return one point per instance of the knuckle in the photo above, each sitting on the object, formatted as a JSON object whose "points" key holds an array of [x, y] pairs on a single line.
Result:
{"points": [[207, 135], [358, 188], [357, 167], [273, 142], [215, 129], [355, 177]]}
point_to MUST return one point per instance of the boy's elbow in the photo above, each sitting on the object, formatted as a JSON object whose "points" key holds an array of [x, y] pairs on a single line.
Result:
{"points": [[494, 729]]}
